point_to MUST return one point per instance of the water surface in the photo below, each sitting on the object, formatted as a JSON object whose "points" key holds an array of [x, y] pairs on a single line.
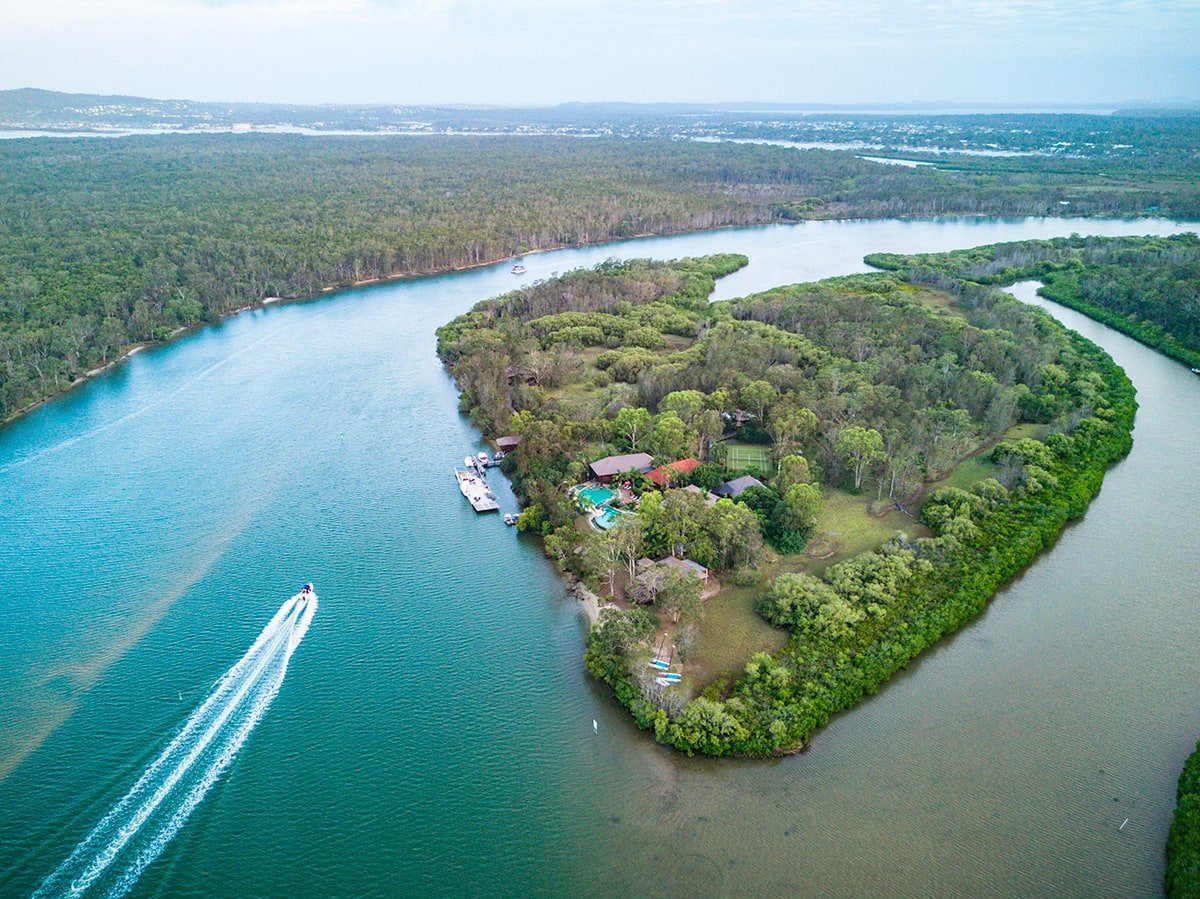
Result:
{"points": [[434, 732]]}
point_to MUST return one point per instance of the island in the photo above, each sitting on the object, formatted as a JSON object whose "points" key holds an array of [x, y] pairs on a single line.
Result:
{"points": [[783, 500]]}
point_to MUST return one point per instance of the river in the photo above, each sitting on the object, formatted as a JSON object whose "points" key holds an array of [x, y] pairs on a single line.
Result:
{"points": [[434, 731]]}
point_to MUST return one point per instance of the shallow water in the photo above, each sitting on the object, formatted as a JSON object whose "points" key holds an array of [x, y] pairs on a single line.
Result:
{"points": [[434, 732]]}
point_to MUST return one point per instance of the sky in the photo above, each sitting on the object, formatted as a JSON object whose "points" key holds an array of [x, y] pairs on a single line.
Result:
{"points": [[533, 52]]}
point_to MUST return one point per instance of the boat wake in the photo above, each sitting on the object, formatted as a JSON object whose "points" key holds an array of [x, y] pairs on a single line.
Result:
{"points": [[135, 831]]}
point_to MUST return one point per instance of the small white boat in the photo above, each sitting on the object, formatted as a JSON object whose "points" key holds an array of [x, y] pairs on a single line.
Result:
{"points": [[519, 269], [483, 459], [510, 519]]}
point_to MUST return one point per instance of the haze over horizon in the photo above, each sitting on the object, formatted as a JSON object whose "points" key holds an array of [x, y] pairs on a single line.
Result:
{"points": [[516, 52]]}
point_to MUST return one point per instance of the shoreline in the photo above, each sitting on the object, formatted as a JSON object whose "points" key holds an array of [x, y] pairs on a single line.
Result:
{"points": [[134, 348], [404, 276], [589, 601]]}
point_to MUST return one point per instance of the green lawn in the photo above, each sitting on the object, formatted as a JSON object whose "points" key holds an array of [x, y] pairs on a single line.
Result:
{"points": [[845, 528], [969, 472], [730, 634], [976, 468], [732, 631]]}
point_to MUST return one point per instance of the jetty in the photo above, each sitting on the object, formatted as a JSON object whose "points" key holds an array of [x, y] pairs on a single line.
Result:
{"points": [[476, 490]]}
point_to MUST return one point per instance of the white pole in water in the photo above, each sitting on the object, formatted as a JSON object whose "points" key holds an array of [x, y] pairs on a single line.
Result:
{"points": [[1123, 823], [595, 726]]}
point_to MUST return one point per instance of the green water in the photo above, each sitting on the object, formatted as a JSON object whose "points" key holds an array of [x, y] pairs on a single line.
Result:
{"points": [[433, 733]]}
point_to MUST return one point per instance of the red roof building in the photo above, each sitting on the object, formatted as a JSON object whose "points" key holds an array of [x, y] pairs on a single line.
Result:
{"points": [[666, 475]]}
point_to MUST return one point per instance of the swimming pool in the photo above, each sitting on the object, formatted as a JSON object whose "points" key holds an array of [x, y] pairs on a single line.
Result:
{"points": [[596, 496], [607, 518]]}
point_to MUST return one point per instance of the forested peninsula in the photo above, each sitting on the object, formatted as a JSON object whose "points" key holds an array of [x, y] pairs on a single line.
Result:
{"points": [[1146, 287], [863, 393], [106, 244]]}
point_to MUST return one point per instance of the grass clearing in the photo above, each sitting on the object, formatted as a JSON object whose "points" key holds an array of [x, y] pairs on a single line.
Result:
{"points": [[730, 633], [969, 472], [972, 470], [846, 527]]}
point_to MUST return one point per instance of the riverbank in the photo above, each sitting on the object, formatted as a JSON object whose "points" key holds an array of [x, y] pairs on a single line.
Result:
{"points": [[1183, 841], [323, 292], [992, 734]]}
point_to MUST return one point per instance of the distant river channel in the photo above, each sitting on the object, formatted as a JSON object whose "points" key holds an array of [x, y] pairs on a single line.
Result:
{"points": [[434, 735]]}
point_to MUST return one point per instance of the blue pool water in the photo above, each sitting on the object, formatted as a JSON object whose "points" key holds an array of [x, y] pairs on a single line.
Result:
{"points": [[607, 518], [595, 496]]}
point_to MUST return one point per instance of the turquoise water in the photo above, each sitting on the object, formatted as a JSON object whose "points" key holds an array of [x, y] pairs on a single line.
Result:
{"points": [[595, 496], [607, 518], [433, 731]]}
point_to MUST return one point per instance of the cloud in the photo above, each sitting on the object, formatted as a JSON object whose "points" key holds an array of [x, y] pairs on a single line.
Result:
{"points": [[523, 51]]}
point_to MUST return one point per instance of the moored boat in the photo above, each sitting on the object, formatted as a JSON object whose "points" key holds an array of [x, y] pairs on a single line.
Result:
{"points": [[519, 269]]}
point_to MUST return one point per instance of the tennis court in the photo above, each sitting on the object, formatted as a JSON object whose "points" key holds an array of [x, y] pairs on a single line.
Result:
{"points": [[748, 456]]}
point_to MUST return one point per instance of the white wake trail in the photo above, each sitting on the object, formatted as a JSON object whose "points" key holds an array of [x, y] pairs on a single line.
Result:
{"points": [[139, 826]]}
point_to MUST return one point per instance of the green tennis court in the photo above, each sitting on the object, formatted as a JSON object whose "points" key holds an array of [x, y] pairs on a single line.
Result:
{"points": [[748, 455]]}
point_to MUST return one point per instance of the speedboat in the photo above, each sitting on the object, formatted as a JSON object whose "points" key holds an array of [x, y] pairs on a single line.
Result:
{"points": [[519, 269]]}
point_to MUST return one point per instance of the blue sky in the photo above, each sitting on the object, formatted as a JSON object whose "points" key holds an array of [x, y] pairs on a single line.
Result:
{"points": [[1057, 52]]}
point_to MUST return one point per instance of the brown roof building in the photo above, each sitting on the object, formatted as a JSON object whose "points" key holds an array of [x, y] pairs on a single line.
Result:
{"points": [[610, 466]]}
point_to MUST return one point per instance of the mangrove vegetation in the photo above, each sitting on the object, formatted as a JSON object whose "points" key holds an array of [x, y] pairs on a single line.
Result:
{"points": [[1183, 841], [1146, 287]]}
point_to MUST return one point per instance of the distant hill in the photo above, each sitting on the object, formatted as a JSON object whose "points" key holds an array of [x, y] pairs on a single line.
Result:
{"points": [[31, 108], [44, 110], [1153, 136]]}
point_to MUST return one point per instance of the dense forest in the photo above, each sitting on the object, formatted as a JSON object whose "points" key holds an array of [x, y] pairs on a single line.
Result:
{"points": [[1146, 287], [104, 244], [870, 382], [1183, 841]]}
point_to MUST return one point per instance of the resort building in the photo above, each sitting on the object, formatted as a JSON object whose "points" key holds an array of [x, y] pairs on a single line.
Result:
{"points": [[687, 565], [604, 470], [710, 499], [738, 486], [667, 475]]}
